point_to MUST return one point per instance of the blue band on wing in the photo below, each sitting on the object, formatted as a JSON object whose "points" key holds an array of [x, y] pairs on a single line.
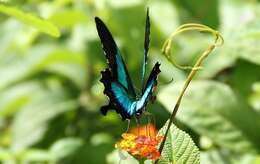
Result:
{"points": [[120, 100]]}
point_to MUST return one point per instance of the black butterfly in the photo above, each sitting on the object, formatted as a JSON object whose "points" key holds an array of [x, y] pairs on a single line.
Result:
{"points": [[116, 79]]}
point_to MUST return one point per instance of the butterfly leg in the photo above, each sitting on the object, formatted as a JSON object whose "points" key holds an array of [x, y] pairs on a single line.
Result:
{"points": [[137, 123], [128, 125], [150, 123], [150, 117], [147, 126], [153, 99]]}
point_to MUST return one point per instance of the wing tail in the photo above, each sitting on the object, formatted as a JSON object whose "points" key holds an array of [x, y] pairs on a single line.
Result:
{"points": [[146, 46]]}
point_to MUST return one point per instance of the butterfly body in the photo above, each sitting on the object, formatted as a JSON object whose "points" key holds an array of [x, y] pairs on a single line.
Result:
{"points": [[116, 79]]}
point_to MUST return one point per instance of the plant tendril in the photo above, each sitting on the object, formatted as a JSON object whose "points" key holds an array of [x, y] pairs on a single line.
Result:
{"points": [[166, 52], [166, 49]]}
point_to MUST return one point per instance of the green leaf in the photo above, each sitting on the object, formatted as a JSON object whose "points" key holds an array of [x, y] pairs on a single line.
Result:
{"points": [[123, 4], [5, 155], [45, 58], [61, 149], [222, 156], [66, 63], [239, 82], [196, 10], [13, 98], [241, 39], [33, 118], [73, 17], [122, 156], [179, 147], [35, 155], [94, 154], [254, 98], [213, 110], [64, 148], [101, 138], [214, 156], [170, 17], [257, 160], [28, 18]]}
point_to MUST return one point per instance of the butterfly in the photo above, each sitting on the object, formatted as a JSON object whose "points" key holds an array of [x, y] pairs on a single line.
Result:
{"points": [[116, 80]]}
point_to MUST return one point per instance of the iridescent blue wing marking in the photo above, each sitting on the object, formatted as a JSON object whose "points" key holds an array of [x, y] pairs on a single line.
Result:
{"points": [[146, 47], [113, 55], [122, 98], [148, 90], [118, 97], [121, 101]]}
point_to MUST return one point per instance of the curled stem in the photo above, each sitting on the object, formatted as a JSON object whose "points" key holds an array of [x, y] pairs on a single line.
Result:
{"points": [[166, 49]]}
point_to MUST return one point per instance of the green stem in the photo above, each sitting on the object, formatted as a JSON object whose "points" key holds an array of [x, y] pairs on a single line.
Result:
{"points": [[166, 49], [141, 161]]}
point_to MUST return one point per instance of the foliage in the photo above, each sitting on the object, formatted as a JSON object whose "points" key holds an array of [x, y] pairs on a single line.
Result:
{"points": [[50, 94], [179, 147], [41, 25]]}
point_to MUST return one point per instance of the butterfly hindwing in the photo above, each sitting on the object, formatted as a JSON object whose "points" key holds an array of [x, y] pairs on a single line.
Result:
{"points": [[148, 89], [120, 100], [113, 55], [118, 97]]}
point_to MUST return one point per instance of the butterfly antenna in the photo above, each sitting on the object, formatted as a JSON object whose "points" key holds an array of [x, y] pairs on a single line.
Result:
{"points": [[138, 91], [166, 83]]}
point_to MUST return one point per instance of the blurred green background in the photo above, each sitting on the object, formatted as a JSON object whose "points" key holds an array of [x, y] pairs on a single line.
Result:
{"points": [[50, 92]]}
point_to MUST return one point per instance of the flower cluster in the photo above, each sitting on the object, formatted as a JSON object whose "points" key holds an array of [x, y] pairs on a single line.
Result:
{"points": [[141, 143]]}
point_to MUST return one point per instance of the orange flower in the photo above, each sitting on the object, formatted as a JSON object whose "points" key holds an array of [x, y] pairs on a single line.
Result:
{"points": [[141, 143]]}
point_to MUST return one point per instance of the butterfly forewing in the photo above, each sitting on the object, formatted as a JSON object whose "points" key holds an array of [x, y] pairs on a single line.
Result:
{"points": [[115, 60], [146, 47]]}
